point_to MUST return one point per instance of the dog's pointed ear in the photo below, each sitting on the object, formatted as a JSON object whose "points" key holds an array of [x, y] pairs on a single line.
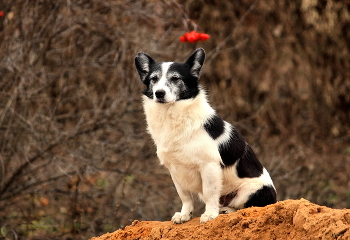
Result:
{"points": [[195, 61], [143, 64]]}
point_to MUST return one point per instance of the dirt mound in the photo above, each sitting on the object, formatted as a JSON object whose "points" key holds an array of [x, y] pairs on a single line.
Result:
{"points": [[289, 219]]}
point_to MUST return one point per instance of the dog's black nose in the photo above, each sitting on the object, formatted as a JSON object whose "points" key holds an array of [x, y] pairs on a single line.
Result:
{"points": [[160, 93]]}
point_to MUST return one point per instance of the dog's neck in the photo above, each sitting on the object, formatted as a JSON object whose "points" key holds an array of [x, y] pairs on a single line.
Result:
{"points": [[189, 113]]}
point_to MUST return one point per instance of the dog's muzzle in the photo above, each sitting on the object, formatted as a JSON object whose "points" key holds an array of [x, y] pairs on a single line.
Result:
{"points": [[160, 96]]}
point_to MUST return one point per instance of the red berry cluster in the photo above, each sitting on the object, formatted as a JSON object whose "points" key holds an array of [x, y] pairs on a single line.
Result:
{"points": [[194, 37]]}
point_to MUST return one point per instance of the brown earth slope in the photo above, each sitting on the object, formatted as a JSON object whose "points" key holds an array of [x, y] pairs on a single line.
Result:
{"points": [[289, 219]]}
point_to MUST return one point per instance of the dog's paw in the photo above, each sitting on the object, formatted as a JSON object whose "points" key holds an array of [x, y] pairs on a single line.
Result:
{"points": [[181, 218], [206, 217]]}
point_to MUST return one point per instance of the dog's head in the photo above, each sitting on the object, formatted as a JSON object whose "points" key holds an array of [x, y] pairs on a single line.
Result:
{"points": [[167, 82]]}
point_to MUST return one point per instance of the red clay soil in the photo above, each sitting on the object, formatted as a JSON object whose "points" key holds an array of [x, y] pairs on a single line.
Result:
{"points": [[289, 219]]}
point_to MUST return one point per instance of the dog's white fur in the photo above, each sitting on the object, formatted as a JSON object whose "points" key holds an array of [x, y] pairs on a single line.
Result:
{"points": [[191, 156], [186, 149]]}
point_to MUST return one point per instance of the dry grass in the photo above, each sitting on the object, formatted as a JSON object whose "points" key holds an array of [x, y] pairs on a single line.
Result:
{"points": [[74, 156]]}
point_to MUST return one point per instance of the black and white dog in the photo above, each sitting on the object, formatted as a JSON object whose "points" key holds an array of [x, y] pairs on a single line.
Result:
{"points": [[204, 154]]}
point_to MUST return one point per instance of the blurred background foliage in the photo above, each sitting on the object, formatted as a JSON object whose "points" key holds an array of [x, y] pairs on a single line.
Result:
{"points": [[75, 159]]}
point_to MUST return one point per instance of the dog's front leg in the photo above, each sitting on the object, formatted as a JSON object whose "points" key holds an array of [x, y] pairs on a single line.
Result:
{"points": [[187, 204], [211, 174]]}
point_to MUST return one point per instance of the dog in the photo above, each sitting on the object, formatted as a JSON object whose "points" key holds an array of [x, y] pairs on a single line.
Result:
{"points": [[204, 154]]}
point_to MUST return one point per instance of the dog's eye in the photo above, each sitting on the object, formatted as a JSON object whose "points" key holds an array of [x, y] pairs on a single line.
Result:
{"points": [[174, 78], [154, 79]]}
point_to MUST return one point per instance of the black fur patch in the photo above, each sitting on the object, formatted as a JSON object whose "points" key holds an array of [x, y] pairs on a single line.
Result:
{"points": [[191, 86], [249, 165], [214, 126], [262, 197], [148, 91], [232, 150], [225, 200]]}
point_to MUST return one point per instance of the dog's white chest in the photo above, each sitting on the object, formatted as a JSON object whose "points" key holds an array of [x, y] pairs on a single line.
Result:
{"points": [[178, 132]]}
